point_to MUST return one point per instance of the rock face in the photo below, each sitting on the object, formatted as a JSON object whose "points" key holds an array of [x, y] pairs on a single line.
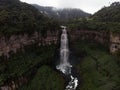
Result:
{"points": [[114, 42], [92, 36], [16, 42], [111, 40]]}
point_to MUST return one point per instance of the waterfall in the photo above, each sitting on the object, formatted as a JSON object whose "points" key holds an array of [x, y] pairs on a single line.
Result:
{"points": [[64, 66]]}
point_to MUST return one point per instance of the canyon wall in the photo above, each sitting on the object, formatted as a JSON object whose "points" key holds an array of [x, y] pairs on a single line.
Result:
{"points": [[109, 39], [16, 42], [89, 35]]}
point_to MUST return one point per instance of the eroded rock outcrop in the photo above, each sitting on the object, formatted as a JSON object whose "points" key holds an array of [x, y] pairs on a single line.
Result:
{"points": [[114, 42], [16, 42], [90, 35], [109, 39]]}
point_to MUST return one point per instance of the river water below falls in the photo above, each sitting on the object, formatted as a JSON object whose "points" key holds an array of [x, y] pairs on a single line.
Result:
{"points": [[65, 67]]}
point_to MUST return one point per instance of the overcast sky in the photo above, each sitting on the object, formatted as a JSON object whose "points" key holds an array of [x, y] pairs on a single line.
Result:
{"points": [[90, 6]]}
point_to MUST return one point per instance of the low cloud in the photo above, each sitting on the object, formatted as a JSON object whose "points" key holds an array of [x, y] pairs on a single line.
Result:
{"points": [[90, 6]]}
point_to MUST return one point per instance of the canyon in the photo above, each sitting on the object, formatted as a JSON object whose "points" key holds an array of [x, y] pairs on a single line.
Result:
{"points": [[17, 42]]}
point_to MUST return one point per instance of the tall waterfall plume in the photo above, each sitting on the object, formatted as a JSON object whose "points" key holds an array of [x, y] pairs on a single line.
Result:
{"points": [[64, 66]]}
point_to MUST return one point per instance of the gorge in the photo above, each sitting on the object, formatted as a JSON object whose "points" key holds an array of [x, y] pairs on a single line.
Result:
{"points": [[37, 53]]}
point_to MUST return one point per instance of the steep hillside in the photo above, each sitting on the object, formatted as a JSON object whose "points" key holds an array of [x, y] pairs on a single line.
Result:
{"points": [[67, 13], [18, 25], [18, 17], [109, 14]]}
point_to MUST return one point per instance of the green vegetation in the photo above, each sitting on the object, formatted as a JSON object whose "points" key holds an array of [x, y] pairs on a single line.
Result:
{"points": [[99, 70], [23, 62], [91, 24], [106, 19], [17, 17], [87, 24], [109, 14], [45, 79], [34, 59]]}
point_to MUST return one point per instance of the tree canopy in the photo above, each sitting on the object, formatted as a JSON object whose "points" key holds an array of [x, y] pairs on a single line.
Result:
{"points": [[17, 17], [109, 14]]}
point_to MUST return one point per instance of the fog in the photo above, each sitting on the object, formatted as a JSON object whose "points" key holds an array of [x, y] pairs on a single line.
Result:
{"points": [[90, 6]]}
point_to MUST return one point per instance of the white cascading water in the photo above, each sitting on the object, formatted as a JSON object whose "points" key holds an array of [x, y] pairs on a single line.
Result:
{"points": [[65, 66]]}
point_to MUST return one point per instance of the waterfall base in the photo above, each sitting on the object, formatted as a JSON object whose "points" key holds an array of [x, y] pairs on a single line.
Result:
{"points": [[64, 68]]}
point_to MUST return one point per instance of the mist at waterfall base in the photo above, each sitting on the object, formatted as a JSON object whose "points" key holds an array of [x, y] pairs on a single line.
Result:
{"points": [[65, 67]]}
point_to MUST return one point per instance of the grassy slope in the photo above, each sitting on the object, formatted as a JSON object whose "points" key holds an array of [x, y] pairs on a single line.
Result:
{"points": [[99, 70]]}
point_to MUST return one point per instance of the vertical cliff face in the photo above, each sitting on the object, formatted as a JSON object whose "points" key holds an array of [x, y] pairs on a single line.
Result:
{"points": [[111, 40], [114, 42], [91, 35], [16, 42]]}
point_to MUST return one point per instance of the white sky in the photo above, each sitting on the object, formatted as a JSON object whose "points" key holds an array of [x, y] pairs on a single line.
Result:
{"points": [[90, 6]]}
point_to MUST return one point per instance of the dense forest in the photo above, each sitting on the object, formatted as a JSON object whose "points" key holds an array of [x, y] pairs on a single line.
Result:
{"points": [[105, 19], [109, 14], [17, 17]]}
